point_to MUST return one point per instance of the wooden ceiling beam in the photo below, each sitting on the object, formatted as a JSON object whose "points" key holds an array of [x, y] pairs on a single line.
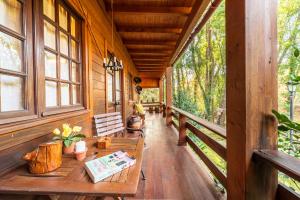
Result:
{"points": [[132, 29], [155, 48], [150, 42], [156, 51], [150, 56], [150, 63], [150, 59], [161, 10]]}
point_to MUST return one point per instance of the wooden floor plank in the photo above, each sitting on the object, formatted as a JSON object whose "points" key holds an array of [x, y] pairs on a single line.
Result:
{"points": [[172, 171]]}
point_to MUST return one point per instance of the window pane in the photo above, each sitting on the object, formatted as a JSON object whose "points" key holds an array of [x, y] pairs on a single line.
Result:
{"points": [[49, 35], [63, 41], [11, 14], [118, 96], [11, 54], [65, 94], [50, 64], [74, 50], [73, 27], [63, 18], [76, 94], [117, 74], [51, 93], [75, 72], [64, 69], [12, 97], [110, 88], [49, 9]]}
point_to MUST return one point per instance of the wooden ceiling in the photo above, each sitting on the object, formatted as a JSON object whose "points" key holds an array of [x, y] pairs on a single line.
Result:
{"points": [[152, 30]]}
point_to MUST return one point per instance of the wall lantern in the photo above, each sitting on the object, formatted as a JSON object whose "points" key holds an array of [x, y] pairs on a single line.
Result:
{"points": [[112, 63]]}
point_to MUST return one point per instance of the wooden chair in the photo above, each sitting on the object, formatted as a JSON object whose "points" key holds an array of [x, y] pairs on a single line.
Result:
{"points": [[112, 123]]}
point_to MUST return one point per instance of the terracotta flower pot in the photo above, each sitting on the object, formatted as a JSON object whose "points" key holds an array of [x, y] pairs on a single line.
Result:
{"points": [[69, 149], [81, 155]]}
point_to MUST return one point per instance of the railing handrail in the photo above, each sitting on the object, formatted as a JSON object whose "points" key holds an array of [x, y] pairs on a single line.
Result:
{"points": [[281, 161], [210, 126]]}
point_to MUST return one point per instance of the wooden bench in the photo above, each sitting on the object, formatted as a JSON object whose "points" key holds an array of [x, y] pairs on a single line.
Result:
{"points": [[112, 123]]}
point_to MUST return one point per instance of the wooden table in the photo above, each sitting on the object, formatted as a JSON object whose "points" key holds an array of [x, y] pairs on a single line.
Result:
{"points": [[72, 179]]}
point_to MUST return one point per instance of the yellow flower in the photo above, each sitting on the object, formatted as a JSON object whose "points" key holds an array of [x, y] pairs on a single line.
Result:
{"points": [[67, 130], [56, 131], [77, 129], [66, 126]]}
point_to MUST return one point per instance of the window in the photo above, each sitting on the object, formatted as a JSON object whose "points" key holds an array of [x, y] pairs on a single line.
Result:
{"points": [[130, 91], [62, 62], [16, 82]]}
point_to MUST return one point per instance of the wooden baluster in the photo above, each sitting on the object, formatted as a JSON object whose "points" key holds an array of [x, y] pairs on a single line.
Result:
{"points": [[182, 130]]}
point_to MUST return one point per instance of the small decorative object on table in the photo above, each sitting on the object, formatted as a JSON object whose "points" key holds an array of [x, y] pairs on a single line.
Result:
{"points": [[46, 158], [69, 136], [103, 143], [80, 150]]}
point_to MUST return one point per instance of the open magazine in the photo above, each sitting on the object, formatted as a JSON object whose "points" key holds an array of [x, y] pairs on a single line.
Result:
{"points": [[101, 168]]}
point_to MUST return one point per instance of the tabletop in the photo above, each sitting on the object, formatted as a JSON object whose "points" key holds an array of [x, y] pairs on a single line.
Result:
{"points": [[71, 177]]}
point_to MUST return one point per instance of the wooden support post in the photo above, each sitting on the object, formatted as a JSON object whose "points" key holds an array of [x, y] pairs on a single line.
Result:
{"points": [[161, 90], [169, 94], [251, 94], [182, 130]]}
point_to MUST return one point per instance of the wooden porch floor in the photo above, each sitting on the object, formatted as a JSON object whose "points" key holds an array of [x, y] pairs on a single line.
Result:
{"points": [[172, 172]]}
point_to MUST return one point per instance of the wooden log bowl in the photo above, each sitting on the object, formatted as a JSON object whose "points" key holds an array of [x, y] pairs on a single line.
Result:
{"points": [[46, 158]]}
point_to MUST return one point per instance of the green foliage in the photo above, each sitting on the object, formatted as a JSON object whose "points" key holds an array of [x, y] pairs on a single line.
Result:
{"points": [[184, 101], [200, 71], [149, 95], [73, 138]]}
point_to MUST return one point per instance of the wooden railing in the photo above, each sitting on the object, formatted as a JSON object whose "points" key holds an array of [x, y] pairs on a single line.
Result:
{"points": [[285, 163], [278, 160], [184, 118]]}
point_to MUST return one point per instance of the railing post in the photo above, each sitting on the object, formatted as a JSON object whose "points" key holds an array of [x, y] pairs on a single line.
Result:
{"points": [[251, 94], [169, 94], [169, 116], [182, 130]]}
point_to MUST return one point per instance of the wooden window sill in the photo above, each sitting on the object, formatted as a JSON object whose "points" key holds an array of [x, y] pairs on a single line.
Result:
{"points": [[39, 121]]}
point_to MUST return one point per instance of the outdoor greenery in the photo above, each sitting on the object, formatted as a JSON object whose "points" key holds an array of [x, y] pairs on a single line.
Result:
{"points": [[199, 77], [149, 95]]}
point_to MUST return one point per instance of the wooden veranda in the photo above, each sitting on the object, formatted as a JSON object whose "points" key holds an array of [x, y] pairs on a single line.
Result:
{"points": [[52, 72]]}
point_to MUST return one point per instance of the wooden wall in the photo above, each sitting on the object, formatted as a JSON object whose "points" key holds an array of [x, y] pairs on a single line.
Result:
{"points": [[19, 138], [150, 83]]}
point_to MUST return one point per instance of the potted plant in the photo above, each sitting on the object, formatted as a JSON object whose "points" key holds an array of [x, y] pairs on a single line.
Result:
{"points": [[69, 136]]}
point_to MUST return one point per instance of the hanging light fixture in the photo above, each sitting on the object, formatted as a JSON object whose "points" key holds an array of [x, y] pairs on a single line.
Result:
{"points": [[112, 63]]}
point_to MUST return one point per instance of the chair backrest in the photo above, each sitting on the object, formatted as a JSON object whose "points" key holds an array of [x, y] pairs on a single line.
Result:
{"points": [[109, 123]]}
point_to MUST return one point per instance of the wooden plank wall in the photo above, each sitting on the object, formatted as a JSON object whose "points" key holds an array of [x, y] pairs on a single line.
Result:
{"points": [[19, 138]]}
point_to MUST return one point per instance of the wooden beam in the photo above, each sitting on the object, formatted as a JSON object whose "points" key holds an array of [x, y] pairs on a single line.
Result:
{"points": [[159, 10], [197, 12], [251, 75], [150, 60], [150, 42], [130, 29], [153, 48], [148, 51], [150, 56], [149, 64]]}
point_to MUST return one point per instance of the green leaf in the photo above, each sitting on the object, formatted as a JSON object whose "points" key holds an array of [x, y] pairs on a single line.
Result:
{"points": [[283, 128], [296, 52], [68, 143]]}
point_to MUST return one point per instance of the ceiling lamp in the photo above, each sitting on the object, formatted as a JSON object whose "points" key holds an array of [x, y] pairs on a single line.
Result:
{"points": [[112, 63]]}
